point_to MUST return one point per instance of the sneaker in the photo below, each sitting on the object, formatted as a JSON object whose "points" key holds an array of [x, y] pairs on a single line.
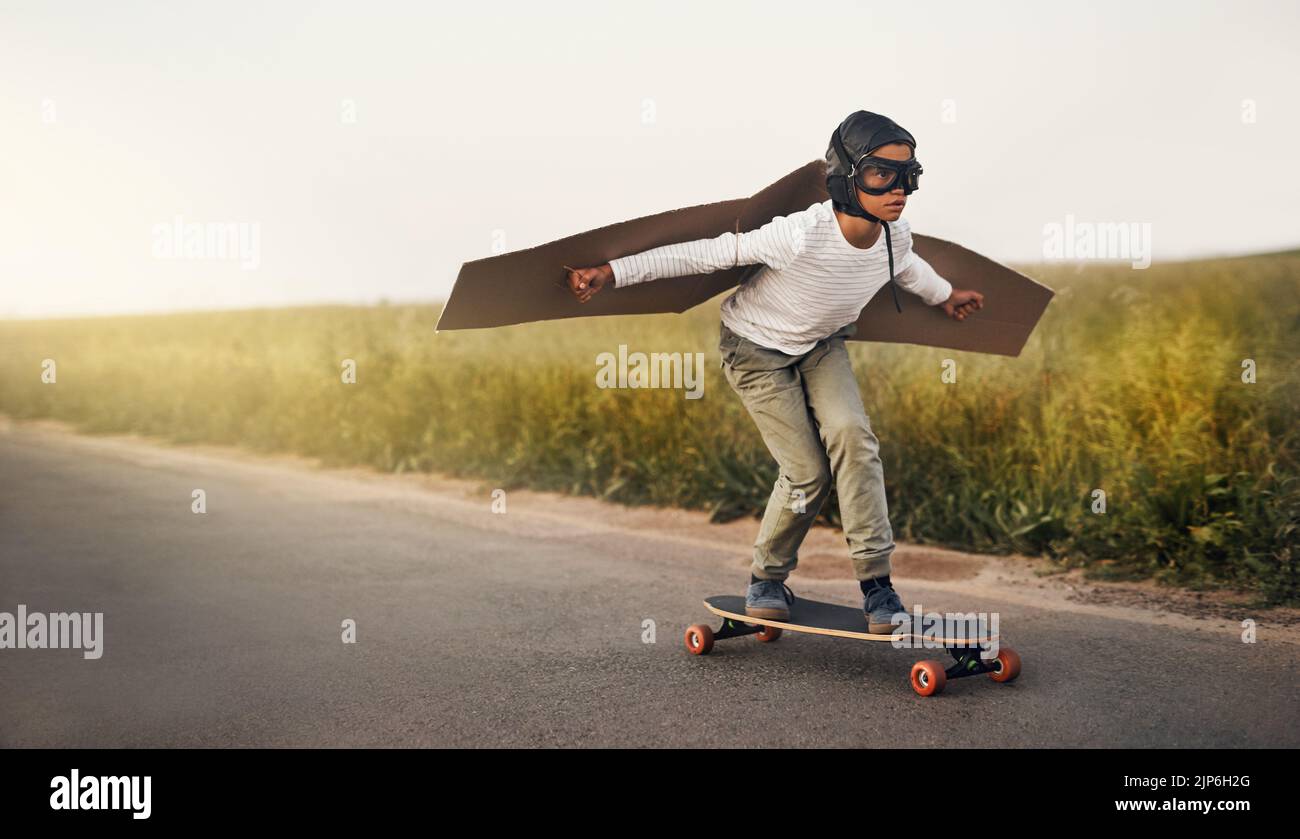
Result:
{"points": [[880, 605], [769, 599]]}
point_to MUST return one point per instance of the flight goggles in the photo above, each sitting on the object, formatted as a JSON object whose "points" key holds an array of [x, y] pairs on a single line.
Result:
{"points": [[878, 175]]}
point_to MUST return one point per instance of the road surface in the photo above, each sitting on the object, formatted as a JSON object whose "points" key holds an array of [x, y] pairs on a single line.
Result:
{"points": [[528, 627]]}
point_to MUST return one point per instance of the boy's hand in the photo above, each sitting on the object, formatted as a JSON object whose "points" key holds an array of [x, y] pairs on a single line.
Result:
{"points": [[584, 282], [962, 302]]}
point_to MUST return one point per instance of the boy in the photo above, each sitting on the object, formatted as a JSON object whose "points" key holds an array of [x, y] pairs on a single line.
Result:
{"points": [[782, 345]]}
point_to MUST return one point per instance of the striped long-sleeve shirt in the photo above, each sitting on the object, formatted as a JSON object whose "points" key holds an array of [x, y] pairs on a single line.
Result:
{"points": [[813, 281]]}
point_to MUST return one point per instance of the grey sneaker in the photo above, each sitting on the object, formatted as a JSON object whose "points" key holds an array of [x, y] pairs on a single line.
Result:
{"points": [[769, 599], [880, 605]]}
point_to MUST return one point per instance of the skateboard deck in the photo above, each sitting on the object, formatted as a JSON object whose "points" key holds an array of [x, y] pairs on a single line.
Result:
{"points": [[815, 617], [821, 619]]}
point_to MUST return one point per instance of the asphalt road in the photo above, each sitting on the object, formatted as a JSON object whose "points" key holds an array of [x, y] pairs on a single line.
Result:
{"points": [[515, 629]]}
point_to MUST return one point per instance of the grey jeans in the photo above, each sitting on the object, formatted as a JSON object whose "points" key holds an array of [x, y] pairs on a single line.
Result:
{"points": [[810, 414]]}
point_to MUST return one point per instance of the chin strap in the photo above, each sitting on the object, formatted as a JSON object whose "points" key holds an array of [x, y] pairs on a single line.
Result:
{"points": [[893, 286]]}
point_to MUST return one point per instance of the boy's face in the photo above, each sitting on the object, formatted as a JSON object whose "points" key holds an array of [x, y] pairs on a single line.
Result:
{"points": [[887, 207]]}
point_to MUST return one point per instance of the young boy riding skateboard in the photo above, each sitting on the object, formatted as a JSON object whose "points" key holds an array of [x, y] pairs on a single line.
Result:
{"points": [[782, 344]]}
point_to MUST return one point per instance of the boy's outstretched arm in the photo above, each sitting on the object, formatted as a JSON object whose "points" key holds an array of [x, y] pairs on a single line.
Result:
{"points": [[920, 278], [776, 243]]}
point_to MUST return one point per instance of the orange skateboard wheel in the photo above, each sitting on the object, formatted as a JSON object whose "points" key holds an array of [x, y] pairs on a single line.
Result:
{"points": [[928, 677], [768, 633], [699, 639], [1006, 666]]}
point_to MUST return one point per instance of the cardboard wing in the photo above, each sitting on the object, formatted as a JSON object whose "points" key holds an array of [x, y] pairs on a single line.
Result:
{"points": [[530, 285]]}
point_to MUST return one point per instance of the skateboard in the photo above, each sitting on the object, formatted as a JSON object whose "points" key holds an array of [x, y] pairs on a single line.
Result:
{"points": [[928, 677]]}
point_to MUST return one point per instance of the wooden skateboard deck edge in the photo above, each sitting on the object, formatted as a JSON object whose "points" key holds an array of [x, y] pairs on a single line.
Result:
{"points": [[841, 633]]}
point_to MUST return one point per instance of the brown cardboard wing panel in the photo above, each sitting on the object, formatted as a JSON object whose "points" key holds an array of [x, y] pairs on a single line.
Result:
{"points": [[1013, 303], [530, 285]]}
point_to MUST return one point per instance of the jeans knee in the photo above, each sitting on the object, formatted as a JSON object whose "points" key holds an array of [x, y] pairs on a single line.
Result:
{"points": [[810, 480], [849, 431]]}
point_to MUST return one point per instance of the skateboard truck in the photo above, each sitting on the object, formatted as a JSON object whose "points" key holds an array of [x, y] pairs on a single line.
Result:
{"points": [[700, 638]]}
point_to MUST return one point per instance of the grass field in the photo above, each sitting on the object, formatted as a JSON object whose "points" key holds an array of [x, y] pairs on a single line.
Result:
{"points": [[1132, 385]]}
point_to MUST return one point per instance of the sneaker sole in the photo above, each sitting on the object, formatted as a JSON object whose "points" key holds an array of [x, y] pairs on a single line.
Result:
{"points": [[880, 628], [769, 614]]}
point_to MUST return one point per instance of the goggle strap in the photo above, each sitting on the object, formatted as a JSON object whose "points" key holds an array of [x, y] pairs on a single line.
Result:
{"points": [[843, 155]]}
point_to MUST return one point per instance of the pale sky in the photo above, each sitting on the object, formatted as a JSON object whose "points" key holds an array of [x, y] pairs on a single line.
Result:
{"points": [[375, 146]]}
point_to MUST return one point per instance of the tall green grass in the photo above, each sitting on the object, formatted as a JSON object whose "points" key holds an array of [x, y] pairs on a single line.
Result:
{"points": [[1131, 385]]}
